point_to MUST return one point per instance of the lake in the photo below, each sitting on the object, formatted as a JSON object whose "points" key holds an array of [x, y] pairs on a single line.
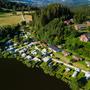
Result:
{"points": [[16, 76]]}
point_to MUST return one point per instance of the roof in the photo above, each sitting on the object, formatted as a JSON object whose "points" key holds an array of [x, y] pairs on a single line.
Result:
{"points": [[28, 57], [87, 35], [16, 50], [29, 45], [23, 55], [81, 25], [44, 51], [9, 42], [87, 75], [36, 59], [67, 69], [11, 49], [78, 69], [45, 59], [75, 57], [66, 53], [55, 48], [21, 51], [15, 44], [75, 74]]}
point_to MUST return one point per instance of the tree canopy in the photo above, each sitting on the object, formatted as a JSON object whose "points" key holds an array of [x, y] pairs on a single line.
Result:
{"points": [[48, 24]]}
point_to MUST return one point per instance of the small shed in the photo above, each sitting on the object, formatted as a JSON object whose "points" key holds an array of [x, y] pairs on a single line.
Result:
{"points": [[77, 58], [80, 26]]}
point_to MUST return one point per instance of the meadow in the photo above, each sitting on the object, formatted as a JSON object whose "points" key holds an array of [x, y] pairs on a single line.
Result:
{"points": [[10, 19]]}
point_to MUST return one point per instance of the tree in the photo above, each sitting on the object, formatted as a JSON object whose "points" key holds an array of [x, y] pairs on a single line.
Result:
{"points": [[87, 86], [23, 23], [49, 26], [14, 10], [80, 17], [74, 84]]}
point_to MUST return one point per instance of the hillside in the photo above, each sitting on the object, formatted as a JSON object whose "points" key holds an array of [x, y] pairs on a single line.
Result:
{"points": [[49, 25]]}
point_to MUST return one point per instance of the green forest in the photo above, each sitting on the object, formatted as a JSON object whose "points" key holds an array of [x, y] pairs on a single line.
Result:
{"points": [[48, 24]]}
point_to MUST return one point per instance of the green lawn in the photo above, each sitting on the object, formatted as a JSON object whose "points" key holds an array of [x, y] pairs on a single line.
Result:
{"points": [[80, 64], [62, 57]]}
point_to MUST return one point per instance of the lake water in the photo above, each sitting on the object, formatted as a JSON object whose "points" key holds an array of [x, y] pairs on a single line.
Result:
{"points": [[16, 76]]}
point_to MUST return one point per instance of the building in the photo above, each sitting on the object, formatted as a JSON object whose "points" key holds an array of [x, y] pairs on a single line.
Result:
{"points": [[23, 55], [68, 22], [80, 26], [16, 50], [29, 45], [36, 59], [21, 51], [11, 49], [85, 37], [88, 23], [15, 44], [28, 57], [44, 51], [45, 59], [28, 33], [65, 53], [26, 43], [67, 69], [76, 72], [54, 48], [25, 49], [87, 75], [77, 58], [9, 43]]}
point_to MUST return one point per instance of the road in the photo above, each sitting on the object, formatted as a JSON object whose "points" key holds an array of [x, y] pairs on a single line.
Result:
{"points": [[70, 66], [23, 17]]}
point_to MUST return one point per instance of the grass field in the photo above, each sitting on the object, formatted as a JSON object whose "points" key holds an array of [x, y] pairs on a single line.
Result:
{"points": [[10, 19]]}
